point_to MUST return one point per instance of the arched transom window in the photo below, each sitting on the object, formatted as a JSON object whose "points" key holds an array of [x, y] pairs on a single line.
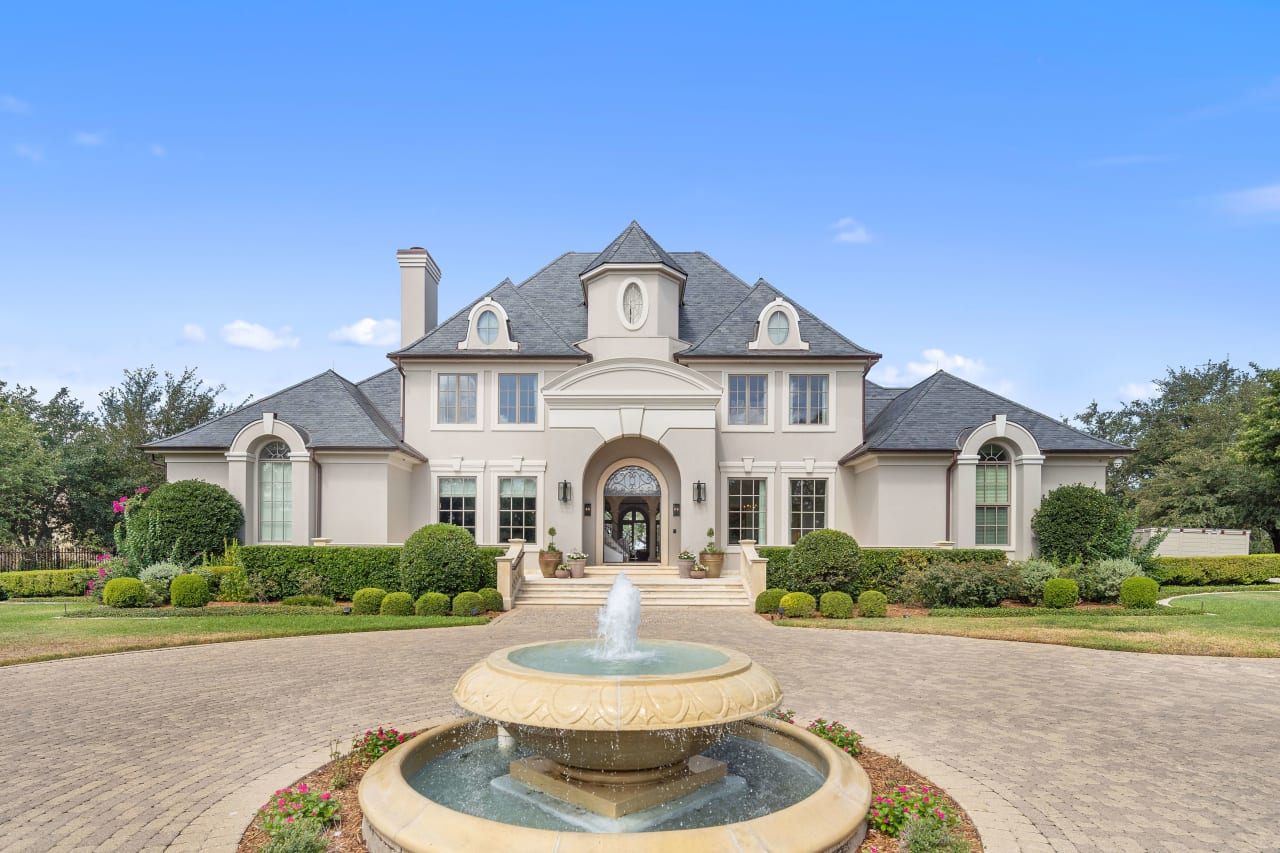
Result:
{"points": [[275, 493], [632, 481], [992, 498], [779, 328], [487, 327]]}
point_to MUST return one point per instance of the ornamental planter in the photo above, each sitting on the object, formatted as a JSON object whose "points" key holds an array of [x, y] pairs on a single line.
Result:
{"points": [[697, 574], [547, 562], [578, 568], [683, 567], [562, 573], [713, 562]]}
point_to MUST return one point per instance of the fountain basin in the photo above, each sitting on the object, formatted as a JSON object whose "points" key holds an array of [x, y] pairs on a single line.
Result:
{"points": [[658, 708], [398, 818]]}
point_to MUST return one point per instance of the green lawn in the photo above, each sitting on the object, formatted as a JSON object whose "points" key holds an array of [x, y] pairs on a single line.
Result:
{"points": [[1241, 624], [42, 629]]}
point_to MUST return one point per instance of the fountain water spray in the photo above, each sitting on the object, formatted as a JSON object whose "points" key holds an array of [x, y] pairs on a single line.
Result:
{"points": [[618, 625]]}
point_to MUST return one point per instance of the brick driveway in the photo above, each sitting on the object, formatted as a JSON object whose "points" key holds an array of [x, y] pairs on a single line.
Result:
{"points": [[1050, 748]]}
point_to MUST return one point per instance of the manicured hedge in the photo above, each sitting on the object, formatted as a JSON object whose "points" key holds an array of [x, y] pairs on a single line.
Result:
{"points": [[768, 600], [124, 592], [343, 569], [799, 604], [433, 604], [367, 601], [1207, 571], [397, 604], [492, 599], [837, 605], [489, 566], [883, 569], [45, 582], [467, 604]]}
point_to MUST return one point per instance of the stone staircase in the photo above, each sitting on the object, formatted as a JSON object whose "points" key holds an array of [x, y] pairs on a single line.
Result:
{"points": [[660, 586]]}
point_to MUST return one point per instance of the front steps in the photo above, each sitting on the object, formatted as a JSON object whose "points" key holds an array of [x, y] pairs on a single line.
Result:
{"points": [[660, 586]]}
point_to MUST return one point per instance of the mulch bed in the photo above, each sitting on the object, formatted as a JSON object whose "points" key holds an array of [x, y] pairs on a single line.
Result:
{"points": [[886, 775]]}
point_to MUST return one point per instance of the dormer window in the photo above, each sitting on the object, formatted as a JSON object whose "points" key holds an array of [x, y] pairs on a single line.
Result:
{"points": [[487, 327], [779, 328], [633, 305]]}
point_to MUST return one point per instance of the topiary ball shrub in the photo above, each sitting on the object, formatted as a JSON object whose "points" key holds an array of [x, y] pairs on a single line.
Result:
{"points": [[836, 605], [189, 591], [873, 604], [187, 517], [800, 605], [441, 558], [1080, 523], [1101, 581], [1060, 593], [397, 604], [467, 604], [824, 561], [367, 601], [1139, 592], [492, 599], [768, 601], [125, 592], [433, 604]]}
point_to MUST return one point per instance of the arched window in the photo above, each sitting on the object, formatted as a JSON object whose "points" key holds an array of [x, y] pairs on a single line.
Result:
{"points": [[992, 498], [487, 327], [779, 328], [275, 493]]}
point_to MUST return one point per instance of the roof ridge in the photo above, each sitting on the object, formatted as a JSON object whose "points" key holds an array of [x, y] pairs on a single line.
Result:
{"points": [[371, 411], [534, 309], [725, 269], [750, 292], [548, 265], [910, 407], [649, 245], [374, 376]]}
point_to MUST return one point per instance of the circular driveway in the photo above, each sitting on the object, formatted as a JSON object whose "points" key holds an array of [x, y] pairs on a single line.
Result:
{"points": [[1049, 748]]}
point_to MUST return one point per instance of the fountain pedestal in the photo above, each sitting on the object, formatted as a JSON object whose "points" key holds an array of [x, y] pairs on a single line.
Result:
{"points": [[618, 793]]}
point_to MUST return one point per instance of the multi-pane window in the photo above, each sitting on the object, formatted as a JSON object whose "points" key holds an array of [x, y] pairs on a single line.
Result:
{"points": [[992, 498], [748, 399], [809, 399], [517, 398], [779, 328], [458, 502], [518, 509], [746, 509], [275, 493], [487, 327], [456, 398], [808, 507]]}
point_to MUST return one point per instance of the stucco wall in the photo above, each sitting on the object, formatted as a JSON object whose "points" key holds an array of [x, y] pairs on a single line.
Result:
{"points": [[355, 500], [212, 468], [1069, 470]]}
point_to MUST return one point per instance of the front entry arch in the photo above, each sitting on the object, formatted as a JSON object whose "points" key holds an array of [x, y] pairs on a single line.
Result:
{"points": [[634, 502]]}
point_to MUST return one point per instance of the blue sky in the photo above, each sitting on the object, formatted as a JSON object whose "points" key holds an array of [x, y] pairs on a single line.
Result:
{"points": [[1055, 200]]}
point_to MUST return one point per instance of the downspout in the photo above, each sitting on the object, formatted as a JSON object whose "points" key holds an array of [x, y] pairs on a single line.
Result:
{"points": [[319, 492], [955, 458]]}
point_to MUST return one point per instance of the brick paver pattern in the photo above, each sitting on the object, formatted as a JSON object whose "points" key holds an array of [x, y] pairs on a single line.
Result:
{"points": [[1049, 748]]}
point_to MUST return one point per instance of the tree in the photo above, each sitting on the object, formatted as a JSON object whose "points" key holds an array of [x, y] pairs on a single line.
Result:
{"points": [[1081, 523], [1186, 470], [1259, 444], [27, 475]]}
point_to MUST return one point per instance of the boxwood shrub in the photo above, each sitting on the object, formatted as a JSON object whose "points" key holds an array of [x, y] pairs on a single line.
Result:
{"points": [[492, 599], [467, 604], [1139, 592], [433, 604], [181, 520], [873, 604], [768, 601], [1060, 593], [440, 558], [396, 604], [125, 592], [836, 605], [889, 570], [46, 583], [823, 561], [189, 591], [798, 604], [342, 569], [367, 601], [1210, 571]]}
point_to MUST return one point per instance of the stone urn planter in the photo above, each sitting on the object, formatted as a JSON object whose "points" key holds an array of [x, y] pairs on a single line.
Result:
{"points": [[712, 561], [550, 556], [577, 563], [684, 564], [562, 572], [698, 573]]}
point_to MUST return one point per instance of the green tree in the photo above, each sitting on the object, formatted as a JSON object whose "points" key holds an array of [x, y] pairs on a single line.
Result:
{"points": [[1259, 444], [27, 476]]}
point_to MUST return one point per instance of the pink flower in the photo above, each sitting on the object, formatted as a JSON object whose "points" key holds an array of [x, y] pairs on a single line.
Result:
{"points": [[325, 797], [302, 788], [902, 789], [289, 819]]}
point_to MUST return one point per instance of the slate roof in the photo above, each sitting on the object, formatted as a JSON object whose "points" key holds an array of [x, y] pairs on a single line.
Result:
{"points": [[717, 317], [875, 398], [940, 412], [330, 412]]}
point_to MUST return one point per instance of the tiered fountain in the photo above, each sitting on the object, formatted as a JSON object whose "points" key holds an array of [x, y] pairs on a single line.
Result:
{"points": [[618, 743]]}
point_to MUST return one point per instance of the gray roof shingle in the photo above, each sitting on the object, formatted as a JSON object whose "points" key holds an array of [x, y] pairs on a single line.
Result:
{"points": [[939, 412], [875, 398], [634, 246], [330, 411]]}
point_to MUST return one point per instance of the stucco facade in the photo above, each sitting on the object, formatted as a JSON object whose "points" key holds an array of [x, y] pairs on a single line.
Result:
{"points": [[632, 399]]}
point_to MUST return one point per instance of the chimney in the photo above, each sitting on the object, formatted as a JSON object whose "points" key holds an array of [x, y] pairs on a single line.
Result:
{"points": [[419, 285]]}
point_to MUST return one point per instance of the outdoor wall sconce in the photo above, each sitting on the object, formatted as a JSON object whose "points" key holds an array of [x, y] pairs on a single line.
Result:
{"points": [[675, 510], [566, 491], [586, 510], [699, 492]]}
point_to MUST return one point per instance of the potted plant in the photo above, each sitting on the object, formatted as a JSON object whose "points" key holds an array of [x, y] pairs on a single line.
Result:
{"points": [[712, 558], [577, 563], [562, 571], [549, 556], [698, 572], [685, 562]]}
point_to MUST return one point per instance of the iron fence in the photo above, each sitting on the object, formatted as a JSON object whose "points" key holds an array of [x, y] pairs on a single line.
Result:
{"points": [[15, 558]]}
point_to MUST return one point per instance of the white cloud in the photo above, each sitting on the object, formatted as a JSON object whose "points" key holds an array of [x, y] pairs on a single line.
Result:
{"points": [[10, 104], [242, 333], [84, 137], [1253, 202], [34, 153], [158, 150], [1131, 391], [934, 359], [368, 333], [193, 332], [850, 230]]}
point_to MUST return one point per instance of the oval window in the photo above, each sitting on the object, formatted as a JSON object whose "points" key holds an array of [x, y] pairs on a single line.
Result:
{"points": [[633, 304], [779, 328], [487, 327]]}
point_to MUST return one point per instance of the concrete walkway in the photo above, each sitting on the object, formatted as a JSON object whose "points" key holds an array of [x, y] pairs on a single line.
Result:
{"points": [[1049, 748]]}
